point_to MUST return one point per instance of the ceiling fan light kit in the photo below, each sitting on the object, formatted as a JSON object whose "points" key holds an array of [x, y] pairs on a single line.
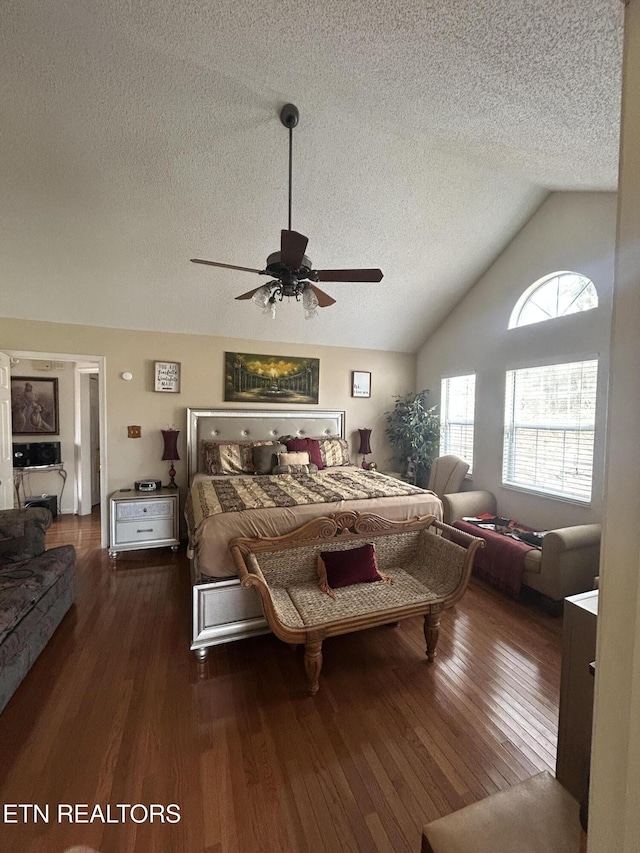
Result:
{"points": [[290, 269]]}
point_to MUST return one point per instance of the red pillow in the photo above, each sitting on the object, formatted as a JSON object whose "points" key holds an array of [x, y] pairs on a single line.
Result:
{"points": [[343, 568], [311, 446]]}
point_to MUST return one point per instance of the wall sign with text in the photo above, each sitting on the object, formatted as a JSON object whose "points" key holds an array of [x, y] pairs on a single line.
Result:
{"points": [[167, 376], [361, 383]]}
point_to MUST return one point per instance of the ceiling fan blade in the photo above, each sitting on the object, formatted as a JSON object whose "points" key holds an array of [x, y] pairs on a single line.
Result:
{"points": [[324, 300], [349, 275], [292, 248], [226, 266], [249, 293]]}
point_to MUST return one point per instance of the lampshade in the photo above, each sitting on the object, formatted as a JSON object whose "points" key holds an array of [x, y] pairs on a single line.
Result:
{"points": [[170, 437], [309, 303], [261, 296], [365, 446]]}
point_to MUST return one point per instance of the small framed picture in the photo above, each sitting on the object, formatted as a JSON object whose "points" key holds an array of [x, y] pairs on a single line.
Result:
{"points": [[167, 376], [361, 386]]}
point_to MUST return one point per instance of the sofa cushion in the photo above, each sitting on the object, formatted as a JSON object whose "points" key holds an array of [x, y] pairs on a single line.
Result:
{"points": [[28, 638], [533, 561], [22, 585], [357, 600], [22, 533]]}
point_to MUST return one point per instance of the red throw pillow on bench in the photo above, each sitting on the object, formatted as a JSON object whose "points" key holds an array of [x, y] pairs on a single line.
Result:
{"points": [[344, 568]]}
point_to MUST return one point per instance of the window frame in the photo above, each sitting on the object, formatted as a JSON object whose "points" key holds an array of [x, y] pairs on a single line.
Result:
{"points": [[508, 479], [527, 295], [465, 422]]}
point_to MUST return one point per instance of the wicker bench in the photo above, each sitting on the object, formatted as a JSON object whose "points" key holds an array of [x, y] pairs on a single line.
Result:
{"points": [[429, 572]]}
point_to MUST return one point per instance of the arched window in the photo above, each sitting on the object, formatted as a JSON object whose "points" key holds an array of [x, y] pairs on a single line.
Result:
{"points": [[555, 295]]}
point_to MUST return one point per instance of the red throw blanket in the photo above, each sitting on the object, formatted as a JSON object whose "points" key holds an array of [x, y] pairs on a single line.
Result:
{"points": [[501, 561]]}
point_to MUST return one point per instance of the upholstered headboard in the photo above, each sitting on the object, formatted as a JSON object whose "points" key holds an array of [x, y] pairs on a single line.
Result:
{"points": [[254, 424]]}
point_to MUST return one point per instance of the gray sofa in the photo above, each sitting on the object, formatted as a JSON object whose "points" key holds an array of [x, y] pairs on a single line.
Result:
{"points": [[37, 587], [566, 564]]}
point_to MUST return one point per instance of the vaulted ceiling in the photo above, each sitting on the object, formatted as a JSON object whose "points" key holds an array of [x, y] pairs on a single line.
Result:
{"points": [[137, 135]]}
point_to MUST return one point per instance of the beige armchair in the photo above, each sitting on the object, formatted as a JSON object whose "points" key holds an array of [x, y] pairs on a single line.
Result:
{"points": [[447, 474], [566, 564]]}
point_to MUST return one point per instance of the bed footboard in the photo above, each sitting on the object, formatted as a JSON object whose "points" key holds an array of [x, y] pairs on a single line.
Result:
{"points": [[222, 612]]}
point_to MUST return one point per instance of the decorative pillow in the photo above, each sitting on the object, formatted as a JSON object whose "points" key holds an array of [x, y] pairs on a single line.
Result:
{"points": [[344, 568], [296, 470], [265, 457], [22, 533], [230, 457], [301, 458], [310, 445], [333, 450]]}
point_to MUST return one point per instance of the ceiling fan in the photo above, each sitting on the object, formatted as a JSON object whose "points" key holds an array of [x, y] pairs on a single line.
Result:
{"points": [[291, 271]]}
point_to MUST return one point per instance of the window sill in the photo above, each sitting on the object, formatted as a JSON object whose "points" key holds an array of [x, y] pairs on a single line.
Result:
{"points": [[541, 493]]}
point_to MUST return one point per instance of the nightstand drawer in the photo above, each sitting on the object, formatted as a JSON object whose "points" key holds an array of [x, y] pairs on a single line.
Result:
{"points": [[144, 530], [144, 509]]}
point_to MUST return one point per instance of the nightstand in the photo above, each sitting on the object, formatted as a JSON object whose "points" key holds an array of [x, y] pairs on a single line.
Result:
{"points": [[143, 520]]}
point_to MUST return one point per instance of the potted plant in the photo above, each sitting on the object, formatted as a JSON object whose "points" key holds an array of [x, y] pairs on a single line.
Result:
{"points": [[414, 429]]}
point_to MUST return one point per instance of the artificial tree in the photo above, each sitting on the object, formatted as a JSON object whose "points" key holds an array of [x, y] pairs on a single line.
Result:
{"points": [[413, 427]]}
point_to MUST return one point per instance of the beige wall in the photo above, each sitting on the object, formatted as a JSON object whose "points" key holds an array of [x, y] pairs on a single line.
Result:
{"points": [[201, 357], [570, 231]]}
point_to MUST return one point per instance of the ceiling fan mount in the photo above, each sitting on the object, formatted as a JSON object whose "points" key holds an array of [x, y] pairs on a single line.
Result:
{"points": [[290, 115], [291, 270]]}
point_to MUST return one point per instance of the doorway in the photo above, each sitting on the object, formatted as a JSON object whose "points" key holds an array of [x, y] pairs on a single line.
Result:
{"points": [[85, 427]]}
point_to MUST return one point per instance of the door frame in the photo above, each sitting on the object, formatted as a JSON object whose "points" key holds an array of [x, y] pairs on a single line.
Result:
{"points": [[83, 413], [101, 363]]}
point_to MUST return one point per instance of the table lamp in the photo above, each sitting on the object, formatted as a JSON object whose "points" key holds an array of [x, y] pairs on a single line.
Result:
{"points": [[170, 454], [365, 446]]}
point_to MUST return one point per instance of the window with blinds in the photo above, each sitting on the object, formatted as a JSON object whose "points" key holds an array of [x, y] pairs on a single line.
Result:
{"points": [[549, 429], [457, 409]]}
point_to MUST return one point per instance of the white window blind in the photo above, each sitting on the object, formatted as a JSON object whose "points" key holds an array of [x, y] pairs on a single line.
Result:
{"points": [[549, 428], [457, 408]]}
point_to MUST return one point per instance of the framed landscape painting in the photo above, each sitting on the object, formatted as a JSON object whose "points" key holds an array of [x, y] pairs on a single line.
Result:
{"points": [[251, 378], [34, 405]]}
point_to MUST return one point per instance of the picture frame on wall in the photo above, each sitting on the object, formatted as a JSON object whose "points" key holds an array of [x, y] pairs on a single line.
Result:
{"points": [[34, 406], [256, 378], [167, 376], [361, 384]]}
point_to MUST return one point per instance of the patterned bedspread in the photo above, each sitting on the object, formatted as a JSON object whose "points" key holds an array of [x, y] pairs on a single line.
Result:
{"points": [[210, 497]]}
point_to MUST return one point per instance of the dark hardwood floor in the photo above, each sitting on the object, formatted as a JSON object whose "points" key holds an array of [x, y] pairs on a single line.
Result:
{"points": [[116, 710]]}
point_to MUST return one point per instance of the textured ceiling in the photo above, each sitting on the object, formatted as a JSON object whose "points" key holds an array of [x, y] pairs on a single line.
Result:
{"points": [[136, 134]]}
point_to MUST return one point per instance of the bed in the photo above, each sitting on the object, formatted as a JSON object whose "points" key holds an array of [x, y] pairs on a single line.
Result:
{"points": [[222, 506]]}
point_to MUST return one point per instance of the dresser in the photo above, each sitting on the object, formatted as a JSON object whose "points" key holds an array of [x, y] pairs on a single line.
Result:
{"points": [[576, 692], [143, 520]]}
